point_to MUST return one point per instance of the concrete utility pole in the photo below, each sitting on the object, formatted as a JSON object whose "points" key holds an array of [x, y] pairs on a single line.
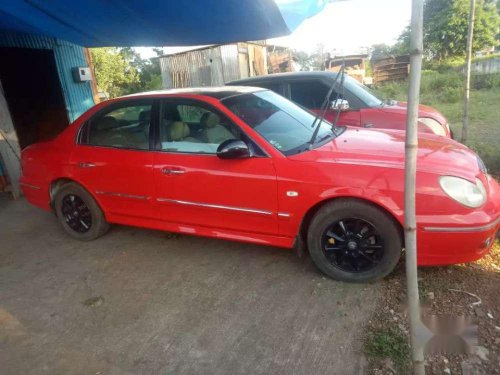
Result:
{"points": [[470, 35], [411, 149]]}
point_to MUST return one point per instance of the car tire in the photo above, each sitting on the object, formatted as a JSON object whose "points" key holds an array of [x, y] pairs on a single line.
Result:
{"points": [[79, 214], [354, 241]]}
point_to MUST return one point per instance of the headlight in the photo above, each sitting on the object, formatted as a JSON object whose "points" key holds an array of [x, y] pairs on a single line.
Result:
{"points": [[464, 191], [432, 124]]}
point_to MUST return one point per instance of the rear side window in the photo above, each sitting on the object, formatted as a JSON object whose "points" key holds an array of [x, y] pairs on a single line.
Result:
{"points": [[125, 126]]}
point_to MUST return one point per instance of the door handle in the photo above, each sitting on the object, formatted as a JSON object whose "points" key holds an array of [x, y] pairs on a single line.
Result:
{"points": [[83, 164], [172, 171], [368, 125]]}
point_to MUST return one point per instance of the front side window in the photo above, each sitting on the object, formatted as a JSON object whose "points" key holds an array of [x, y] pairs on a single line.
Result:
{"points": [[282, 123], [309, 94], [193, 128], [124, 127], [276, 87]]}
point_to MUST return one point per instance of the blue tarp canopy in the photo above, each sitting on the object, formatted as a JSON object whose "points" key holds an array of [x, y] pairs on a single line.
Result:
{"points": [[97, 23]]}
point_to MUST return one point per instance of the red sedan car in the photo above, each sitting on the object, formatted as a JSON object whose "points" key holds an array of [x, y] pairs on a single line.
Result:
{"points": [[358, 105], [240, 163]]}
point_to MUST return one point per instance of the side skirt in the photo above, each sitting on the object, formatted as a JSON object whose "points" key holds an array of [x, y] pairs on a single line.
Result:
{"points": [[261, 239]]}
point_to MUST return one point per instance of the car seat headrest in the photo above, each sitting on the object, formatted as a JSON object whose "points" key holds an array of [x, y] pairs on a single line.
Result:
{"points": [[209, 120], [178, 130], [106, 123]]}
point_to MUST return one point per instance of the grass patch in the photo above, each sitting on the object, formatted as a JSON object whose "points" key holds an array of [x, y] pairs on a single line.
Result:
{"points": [[444, 91], [389, 343]]}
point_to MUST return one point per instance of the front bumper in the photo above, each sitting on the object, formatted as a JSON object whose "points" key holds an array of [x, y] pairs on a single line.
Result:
{"points": [[460, 238], [441, 245]]}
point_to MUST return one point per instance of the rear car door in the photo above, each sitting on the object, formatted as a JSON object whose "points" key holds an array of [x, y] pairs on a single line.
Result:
{"points": [[112, 158], [195, 187]]}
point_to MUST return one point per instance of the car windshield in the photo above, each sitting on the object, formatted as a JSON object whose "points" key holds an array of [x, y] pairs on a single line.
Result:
{"points": [[282, 123], [362, 92]]}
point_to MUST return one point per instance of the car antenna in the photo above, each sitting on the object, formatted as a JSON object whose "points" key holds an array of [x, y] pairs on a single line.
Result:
{"points": [[321, 115]]}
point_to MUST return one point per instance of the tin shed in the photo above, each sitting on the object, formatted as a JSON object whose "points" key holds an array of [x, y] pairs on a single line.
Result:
{"points": [[213, 65]]}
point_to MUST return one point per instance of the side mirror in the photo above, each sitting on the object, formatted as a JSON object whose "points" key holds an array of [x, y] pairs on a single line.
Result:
{"points": [[340, 105], [233, 149]]}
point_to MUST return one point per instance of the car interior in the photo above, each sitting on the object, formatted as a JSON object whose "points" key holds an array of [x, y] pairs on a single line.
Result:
{"points": [[112, 130], [195, 130]]}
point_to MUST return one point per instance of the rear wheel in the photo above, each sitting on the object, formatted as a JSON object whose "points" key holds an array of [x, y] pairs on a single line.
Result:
{"points": [[79, 214], [354, 241]]}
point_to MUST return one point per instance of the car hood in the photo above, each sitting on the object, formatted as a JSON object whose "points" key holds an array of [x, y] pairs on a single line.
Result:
{"points": [[423, 111], [386, 148]]}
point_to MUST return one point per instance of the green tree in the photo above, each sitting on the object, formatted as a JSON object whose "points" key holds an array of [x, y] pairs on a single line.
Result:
{"points": [[148, 69], [303, 59], [445, 27], [114, 75]]}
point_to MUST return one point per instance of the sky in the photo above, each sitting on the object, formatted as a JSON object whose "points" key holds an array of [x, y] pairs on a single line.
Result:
{"points": [[343, 27]]}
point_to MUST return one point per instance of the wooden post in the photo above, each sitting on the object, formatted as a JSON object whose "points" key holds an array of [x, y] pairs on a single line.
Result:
{"points": [[411, 148], [470, 35], [9, 146]]}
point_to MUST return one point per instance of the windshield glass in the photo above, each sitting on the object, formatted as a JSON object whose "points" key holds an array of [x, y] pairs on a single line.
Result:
{"points": [[282, 123], [362, 92]]}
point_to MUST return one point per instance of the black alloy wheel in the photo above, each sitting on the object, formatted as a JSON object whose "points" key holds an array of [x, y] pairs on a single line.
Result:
{"points": [[353, 245], [353, 240], [76, 213]]}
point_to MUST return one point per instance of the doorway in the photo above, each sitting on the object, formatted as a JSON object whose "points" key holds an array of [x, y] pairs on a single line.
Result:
{"points": [[33, 93]]}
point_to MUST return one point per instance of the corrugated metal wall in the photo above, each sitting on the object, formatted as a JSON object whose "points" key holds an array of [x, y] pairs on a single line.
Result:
{"points": [[207, 67], [77, 96]]}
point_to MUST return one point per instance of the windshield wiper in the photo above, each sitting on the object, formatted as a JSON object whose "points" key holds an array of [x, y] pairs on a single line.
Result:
{"points": [[324, 107]]}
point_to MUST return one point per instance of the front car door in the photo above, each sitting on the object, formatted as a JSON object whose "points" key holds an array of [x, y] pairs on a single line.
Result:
{"points": [[195, 188], [311, 94], [112, 158]]}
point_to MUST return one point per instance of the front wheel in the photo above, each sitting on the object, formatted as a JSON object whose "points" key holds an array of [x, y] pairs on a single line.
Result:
{"points": [[350, 240], [79, 214]]}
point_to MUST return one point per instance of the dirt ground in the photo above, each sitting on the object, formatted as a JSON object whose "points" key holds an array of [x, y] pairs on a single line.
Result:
{"points": [[469, 290], [139, 301]]}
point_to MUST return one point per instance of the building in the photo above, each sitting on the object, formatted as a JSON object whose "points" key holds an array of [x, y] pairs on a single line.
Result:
{"points": [[280, 59], [390, 68], [213, 65], [45, 84], [355, 65]]}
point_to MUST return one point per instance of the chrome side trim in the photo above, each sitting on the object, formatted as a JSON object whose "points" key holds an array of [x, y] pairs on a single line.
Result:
{"points": [[481, 228], [219, 206], [30, 186], [122, 195], [283, 214]]}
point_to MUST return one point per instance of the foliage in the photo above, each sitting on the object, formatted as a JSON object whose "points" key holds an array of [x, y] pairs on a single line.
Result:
{"points": [[121, 71], [314, 61], [445, 32], [148, 69], [446, 24], [112, 72], [389, 343]]}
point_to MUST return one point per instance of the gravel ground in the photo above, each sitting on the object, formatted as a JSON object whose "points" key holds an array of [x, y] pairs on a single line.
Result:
{"points": [[470, 290]]}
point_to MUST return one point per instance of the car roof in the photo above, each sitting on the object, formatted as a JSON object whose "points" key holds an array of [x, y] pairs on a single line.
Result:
{"points": [[214, 92], [280, 76]]}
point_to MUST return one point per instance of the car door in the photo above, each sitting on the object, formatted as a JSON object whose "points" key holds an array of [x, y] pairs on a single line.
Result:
{"points": [[195, 187], [311, 94], [112, 158]]}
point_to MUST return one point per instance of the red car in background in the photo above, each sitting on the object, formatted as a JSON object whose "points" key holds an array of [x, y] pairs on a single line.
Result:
{"points": [[358, 105], [242, 164]]}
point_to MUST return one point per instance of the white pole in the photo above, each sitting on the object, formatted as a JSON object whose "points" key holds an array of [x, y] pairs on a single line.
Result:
{"points": [[470, 34], [411, 148]]}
